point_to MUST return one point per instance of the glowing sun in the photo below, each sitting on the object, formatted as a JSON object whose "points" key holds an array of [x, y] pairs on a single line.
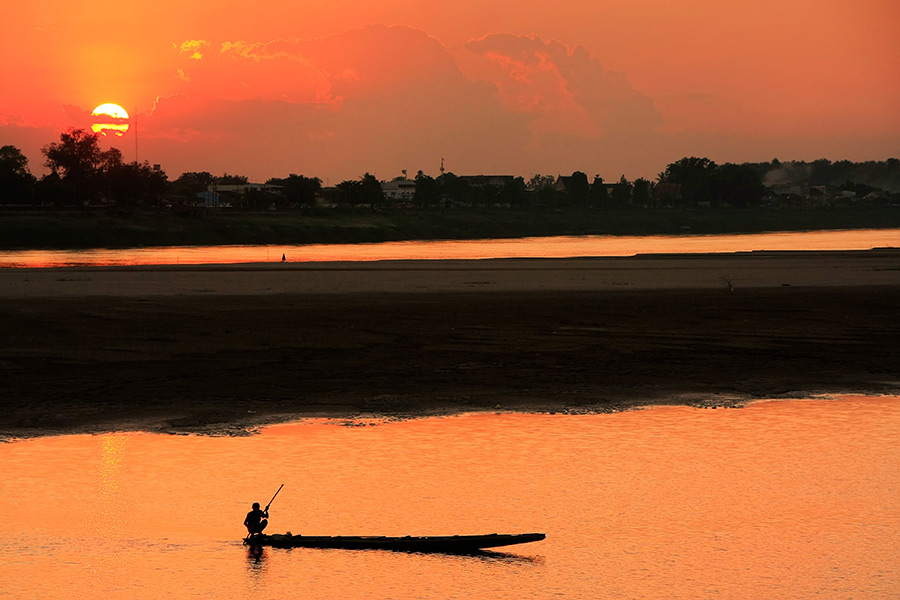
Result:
{"points": [[109, 119]]}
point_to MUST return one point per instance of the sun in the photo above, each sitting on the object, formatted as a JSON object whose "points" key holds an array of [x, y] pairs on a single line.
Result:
{"points": [[109, 119]]}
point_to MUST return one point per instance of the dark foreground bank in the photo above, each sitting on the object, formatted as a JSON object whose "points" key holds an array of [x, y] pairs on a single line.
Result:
{"points": [[221, 364]]}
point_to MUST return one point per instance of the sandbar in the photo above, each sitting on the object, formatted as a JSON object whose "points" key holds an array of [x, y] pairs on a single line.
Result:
{"points": [[223, 349]]}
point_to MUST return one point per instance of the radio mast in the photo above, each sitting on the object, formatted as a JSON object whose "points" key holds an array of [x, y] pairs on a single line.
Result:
{"points": [[134, 122]]}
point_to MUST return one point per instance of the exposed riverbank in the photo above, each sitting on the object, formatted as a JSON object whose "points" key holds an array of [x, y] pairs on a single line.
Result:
{"points": [[92, 229], [221, 349]]}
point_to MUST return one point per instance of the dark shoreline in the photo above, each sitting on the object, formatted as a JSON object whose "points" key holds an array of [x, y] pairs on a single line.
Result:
{"points": [[223, 364], [111, 228]]}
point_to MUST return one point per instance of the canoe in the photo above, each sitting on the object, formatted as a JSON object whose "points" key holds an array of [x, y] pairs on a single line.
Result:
{"points": [[447, 543]]}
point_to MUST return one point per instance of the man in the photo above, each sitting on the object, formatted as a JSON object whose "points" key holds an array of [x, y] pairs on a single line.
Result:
{"points": [[255, 523]]}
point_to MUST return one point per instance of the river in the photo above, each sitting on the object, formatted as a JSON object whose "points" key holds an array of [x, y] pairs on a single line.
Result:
{"points": [[779, 499], [542, 247]]}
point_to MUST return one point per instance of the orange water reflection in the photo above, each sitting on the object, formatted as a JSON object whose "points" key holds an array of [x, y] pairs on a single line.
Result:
{"points": [[549, 247], [777, 500]]}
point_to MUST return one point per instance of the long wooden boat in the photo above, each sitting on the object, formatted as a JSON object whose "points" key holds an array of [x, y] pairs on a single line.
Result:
{"points": [[449, 543]]}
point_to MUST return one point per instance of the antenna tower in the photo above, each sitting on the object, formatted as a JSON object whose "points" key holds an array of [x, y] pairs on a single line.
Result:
{"points": [[134, 122]]}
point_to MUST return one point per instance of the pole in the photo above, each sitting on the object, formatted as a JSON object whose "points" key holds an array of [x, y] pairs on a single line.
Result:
{"points": [[134, 121], [273, 498]]}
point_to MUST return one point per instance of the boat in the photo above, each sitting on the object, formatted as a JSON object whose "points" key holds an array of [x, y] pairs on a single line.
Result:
{"points": [[456, 544]]}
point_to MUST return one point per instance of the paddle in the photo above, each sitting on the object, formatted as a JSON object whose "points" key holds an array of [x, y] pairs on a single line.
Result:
{"points": [[273, 498]]}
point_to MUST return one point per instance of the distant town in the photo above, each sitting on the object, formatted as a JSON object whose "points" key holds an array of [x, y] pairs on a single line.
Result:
{"points": [[83, 176]]}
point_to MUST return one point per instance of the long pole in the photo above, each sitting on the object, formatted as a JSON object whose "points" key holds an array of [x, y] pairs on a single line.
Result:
{"points": [[134, 121], [273, 498]]}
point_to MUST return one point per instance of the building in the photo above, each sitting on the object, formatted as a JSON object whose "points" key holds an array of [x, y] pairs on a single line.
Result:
{"points": [[399, 190]]}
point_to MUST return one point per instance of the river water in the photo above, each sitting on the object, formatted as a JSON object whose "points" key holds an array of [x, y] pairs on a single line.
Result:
{"points": [[543, 247], [786, 499]]}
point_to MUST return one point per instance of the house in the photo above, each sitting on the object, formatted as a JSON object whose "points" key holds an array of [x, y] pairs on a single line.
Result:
{"points": [[567, 184], [208, 199], [400, 189], [667, 192]]}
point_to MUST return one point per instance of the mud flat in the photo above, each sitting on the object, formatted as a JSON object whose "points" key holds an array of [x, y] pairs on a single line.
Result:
{"points": [[222, 349]]}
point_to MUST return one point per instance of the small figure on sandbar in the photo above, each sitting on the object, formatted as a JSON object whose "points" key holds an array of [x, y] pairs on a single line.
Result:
{"points": [[283, 258], [256, 520]]}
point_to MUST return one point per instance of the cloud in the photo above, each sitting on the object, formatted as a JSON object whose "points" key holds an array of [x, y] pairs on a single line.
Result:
{"points": [[564, 89], [381, 99], [242, 70], [192, 48], [374, 99], [80, 117]]}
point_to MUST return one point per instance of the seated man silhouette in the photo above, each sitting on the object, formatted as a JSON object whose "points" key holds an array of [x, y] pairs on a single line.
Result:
{"points": [[255, 523]]}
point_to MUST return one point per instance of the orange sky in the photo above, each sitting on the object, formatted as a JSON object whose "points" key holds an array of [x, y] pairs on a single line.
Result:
{"points": [[339, 87]]}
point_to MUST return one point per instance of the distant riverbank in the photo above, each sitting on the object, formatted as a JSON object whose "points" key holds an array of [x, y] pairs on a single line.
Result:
{"points": [[119, 229]]}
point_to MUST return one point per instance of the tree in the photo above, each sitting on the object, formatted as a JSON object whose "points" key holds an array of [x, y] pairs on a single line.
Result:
{"points": [[76, 156], [351, 190], [78, 161], [298, 189], [738, 185], [371, 190], [640, 194], [191, 183], [578, 188], [621, 193], [538, 182], [513, 192], [543, 187], [16, 181], [453, 188], [134, 183], [85, 171], [227, 179], [694, 175], [427, 192], [597, 194], [485, 194]]}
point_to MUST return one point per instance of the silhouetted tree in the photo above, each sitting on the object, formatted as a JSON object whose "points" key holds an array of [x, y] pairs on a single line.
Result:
{"points": [[737, 185], [371, 190], [598, 196], [227, 179], [578, 188], [539, 181], [621, 193], [351, 191], [133, 184], [487, 194], [513, 192], [16, 181], [542, 186], [427, 192], [453, 188], [50, 190], [640, 194], [879, 175], [84, 172], [189, 184], [298, 189], [78, 161], [694, 175]]}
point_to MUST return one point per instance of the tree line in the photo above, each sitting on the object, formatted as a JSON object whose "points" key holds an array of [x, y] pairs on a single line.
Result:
{"points": [[82, 174]]}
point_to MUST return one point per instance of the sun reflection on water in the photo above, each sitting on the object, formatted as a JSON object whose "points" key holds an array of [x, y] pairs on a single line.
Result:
{"points": [[109, 513]]}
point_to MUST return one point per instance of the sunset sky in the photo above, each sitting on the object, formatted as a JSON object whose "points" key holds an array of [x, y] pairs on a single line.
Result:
{"points": [[340, 87]]}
